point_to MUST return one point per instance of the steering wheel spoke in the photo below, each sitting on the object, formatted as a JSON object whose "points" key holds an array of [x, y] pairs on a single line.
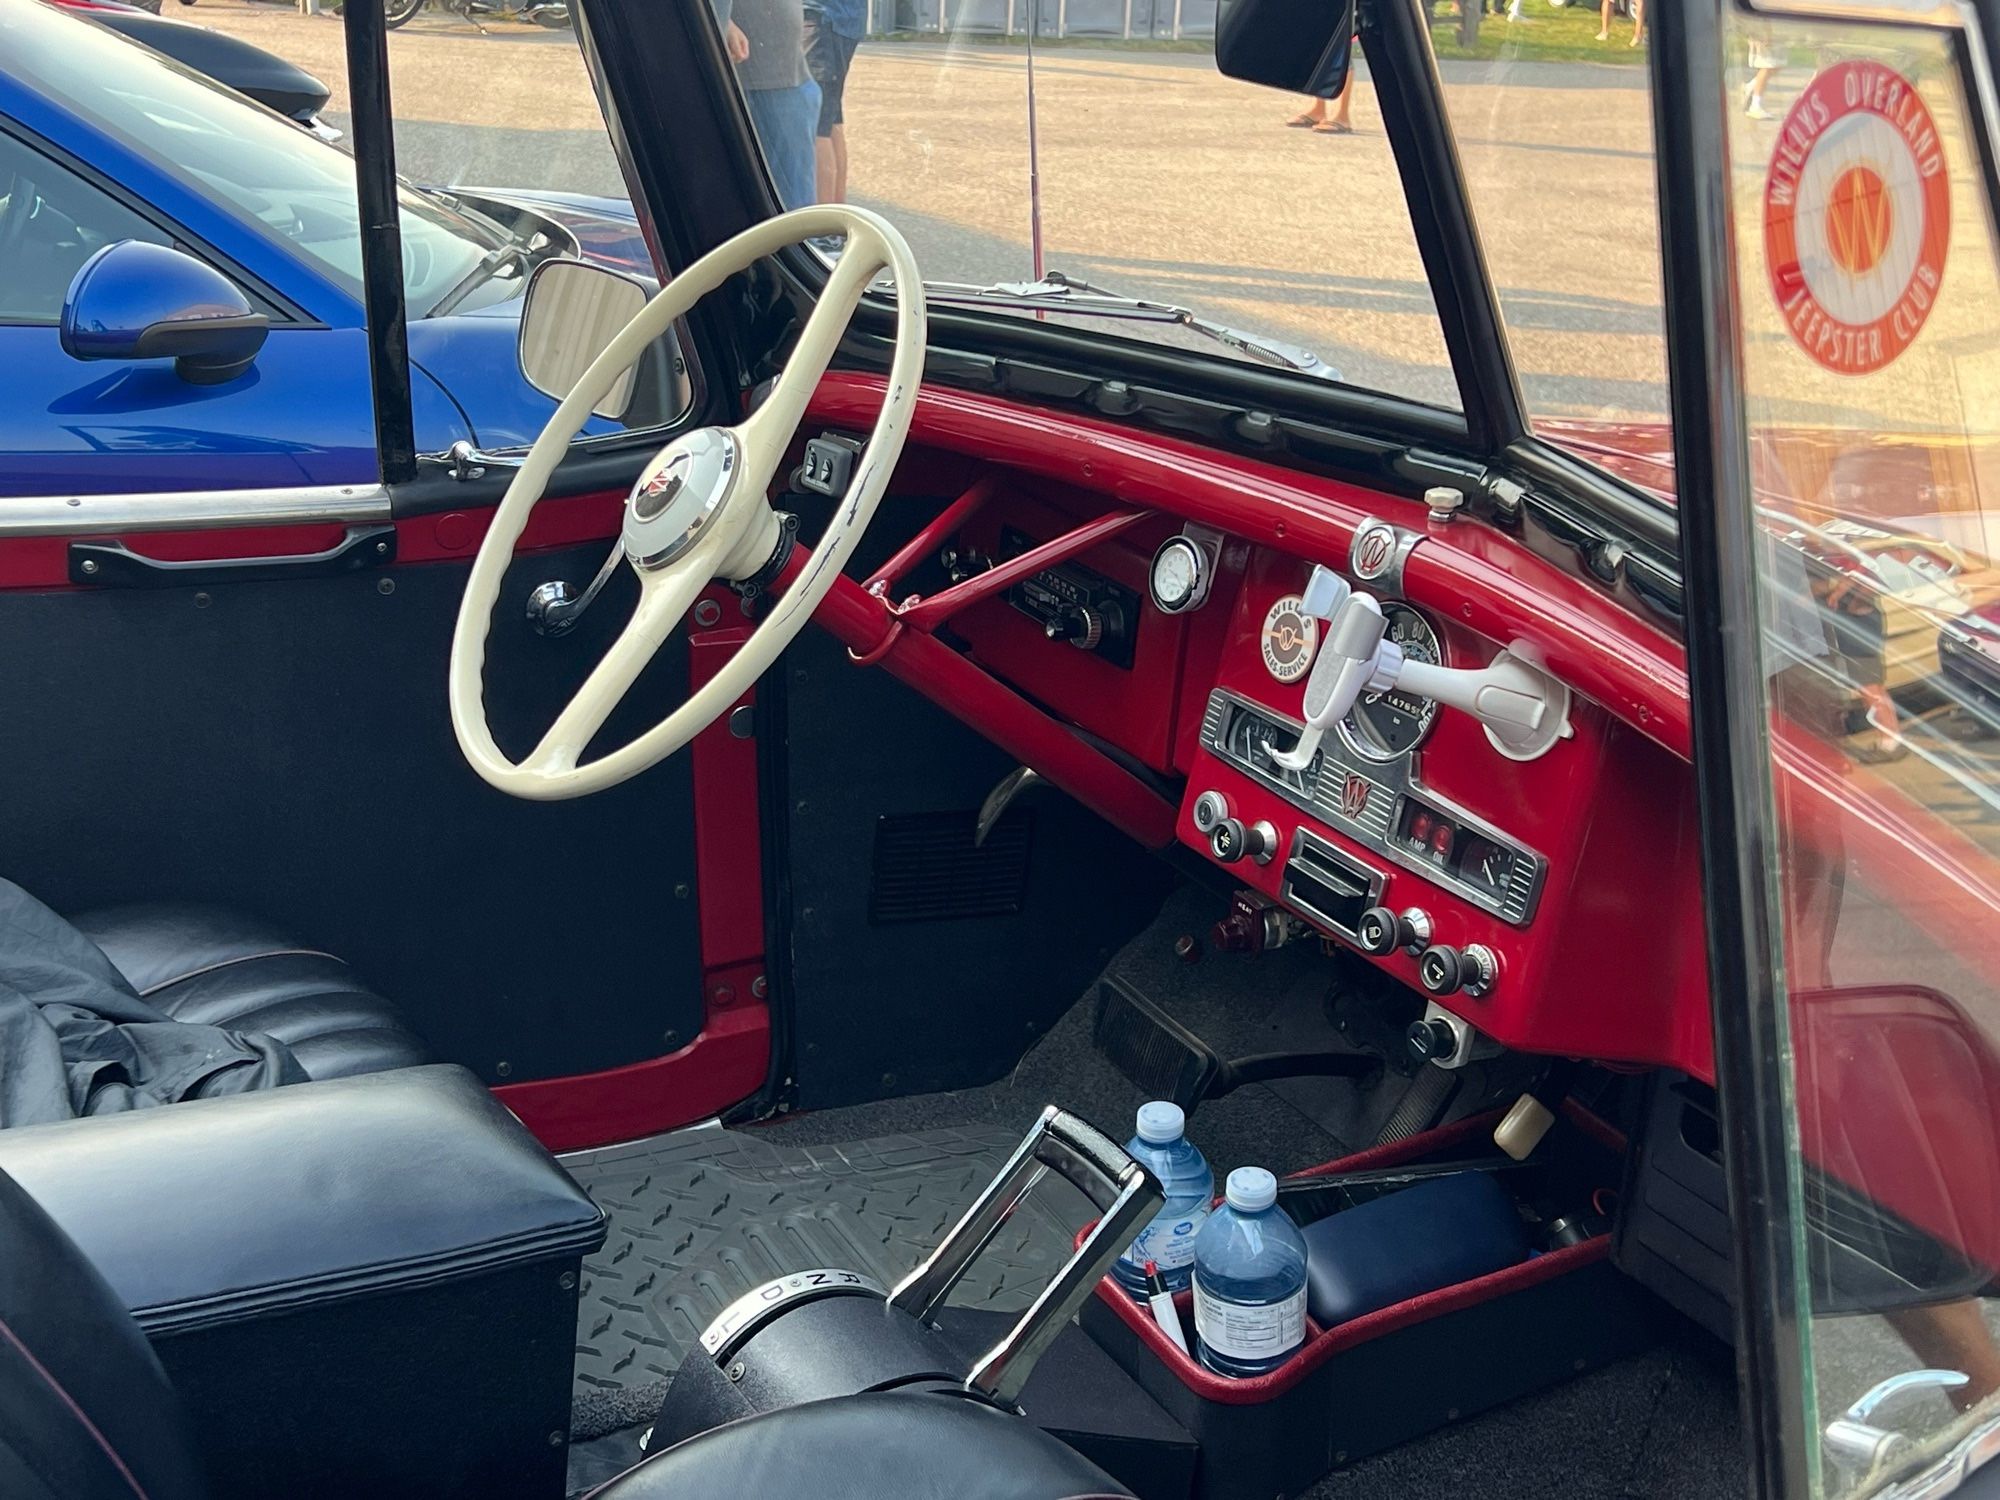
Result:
{"points": [[700, 510], [767, 432], [664, 600]]}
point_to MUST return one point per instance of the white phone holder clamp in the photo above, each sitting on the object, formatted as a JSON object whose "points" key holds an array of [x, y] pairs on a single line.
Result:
{"points": [[1524, 710]]}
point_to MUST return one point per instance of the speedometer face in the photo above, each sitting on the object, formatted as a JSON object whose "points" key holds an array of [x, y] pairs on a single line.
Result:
{"points": [[1387, 726]]}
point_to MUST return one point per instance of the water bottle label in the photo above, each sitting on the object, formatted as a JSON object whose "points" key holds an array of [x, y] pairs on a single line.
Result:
{"points": [[1168, 1243], [1263, 1331]]}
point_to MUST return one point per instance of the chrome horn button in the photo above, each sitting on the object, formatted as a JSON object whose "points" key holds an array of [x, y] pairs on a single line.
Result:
{"points": [[678, 496]]}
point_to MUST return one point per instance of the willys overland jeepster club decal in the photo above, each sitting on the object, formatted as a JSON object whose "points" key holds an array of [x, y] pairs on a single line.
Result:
{"points": [[1857, 216]]}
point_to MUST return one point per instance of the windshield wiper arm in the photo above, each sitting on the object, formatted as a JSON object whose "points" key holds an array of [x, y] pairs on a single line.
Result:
{"points": [[491, 264], [1059, 293]]}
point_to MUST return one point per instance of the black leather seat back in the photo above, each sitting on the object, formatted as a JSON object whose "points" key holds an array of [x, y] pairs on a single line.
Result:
{"points": [[86, 1412]]}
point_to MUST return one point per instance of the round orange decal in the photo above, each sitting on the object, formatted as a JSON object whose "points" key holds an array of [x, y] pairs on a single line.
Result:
{"points": [[1857, 216]]}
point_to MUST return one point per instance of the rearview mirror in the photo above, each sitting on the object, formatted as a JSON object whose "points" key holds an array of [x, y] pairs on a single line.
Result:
{"points": [[1300, 46], [571, 313], [135, 300]]}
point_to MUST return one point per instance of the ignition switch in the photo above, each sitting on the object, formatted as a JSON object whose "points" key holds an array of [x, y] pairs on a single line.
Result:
{"points": [[1254, 925]]}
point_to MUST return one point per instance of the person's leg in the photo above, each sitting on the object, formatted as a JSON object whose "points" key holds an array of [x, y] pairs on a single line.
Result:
{"points": [[823, 62], [1953, 1336], [1604, 20], [1638, 21], [839, 143], [1343, 103], [785, 120]]}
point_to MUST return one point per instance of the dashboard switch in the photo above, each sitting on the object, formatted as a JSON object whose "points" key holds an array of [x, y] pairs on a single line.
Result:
{"points": [[1441, 970], [1444, 970], [1210, 808], [1432, 1040], [1233, 840], [1382, 931]]}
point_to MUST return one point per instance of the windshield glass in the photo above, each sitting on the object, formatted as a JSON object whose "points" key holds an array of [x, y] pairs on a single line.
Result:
{"points": [[1011, 140], [1867, 277], [272, 174]]}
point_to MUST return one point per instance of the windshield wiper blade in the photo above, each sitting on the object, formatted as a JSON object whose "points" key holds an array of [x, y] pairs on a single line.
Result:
{"points": [[1059, 293]]}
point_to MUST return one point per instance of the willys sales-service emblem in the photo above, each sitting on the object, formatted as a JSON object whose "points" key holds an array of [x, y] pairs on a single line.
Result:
{"points": [[1857, 217]]}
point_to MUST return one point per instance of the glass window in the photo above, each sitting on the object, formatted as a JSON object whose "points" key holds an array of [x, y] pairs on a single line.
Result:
{"points": [[51, 222], [1552, 109], [1092, 141], [1867, 277], [292, 186]]}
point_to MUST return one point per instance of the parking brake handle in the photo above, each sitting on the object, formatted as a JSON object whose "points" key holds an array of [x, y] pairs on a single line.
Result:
{"points": [[1126, 1196]]}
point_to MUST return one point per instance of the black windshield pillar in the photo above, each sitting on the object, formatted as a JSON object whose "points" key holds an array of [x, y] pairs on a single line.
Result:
{"points": [[1395, 39], [1719, 552], [381, 238]]}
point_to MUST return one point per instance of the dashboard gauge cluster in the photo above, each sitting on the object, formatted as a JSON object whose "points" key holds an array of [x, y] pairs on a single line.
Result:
{"points": [[1388, 726], [1381, 806]]}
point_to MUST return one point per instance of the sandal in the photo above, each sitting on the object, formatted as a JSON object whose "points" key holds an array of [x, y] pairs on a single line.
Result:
{"points": [[1333, 127], [1302, 122]]}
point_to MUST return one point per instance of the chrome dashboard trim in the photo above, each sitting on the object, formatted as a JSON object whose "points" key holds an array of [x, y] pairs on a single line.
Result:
{"points": [[1388, 785], [1378, 554], [192, 510]]}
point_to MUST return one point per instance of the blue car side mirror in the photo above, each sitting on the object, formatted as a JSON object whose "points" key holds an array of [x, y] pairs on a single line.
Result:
{"points": [[134, 300]]}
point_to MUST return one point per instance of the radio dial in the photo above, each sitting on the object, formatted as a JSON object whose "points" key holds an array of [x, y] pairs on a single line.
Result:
{"points": [[1080, 625]]}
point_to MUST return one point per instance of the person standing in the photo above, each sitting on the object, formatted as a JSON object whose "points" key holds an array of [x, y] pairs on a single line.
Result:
{"points": [[766, 41], [1638, 21], [834, 29], [1765, 60]]}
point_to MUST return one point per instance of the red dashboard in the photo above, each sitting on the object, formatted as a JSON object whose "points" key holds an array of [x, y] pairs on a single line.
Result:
{"points": [[1592, 916]]}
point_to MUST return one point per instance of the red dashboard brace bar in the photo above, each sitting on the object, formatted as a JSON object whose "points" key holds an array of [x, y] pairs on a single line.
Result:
{"points": [[874, 633], [928, 614], [939, 529]]}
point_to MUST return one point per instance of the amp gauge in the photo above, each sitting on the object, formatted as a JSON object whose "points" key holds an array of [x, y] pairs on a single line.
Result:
{"points": [[1182, 572]]}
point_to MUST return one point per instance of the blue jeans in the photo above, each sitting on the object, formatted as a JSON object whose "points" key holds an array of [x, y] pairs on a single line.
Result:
{"points": [[785, 121]]}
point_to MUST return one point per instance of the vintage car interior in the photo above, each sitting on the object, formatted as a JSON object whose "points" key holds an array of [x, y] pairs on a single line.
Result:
{"points": [[621, 969]]}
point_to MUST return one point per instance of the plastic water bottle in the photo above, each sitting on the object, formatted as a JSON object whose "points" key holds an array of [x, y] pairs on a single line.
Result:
{"points": [[1162, 1146], [1249, 1280]]}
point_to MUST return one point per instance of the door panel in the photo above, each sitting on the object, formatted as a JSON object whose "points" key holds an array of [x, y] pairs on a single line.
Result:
{"points": [[285, 747], [300, 416]]}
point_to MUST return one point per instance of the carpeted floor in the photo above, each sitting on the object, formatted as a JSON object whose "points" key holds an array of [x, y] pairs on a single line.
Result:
{"points": [[1661, 1424]]}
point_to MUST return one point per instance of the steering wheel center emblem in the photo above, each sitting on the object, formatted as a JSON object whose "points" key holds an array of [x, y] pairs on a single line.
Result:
{"points": [[678, 496]]}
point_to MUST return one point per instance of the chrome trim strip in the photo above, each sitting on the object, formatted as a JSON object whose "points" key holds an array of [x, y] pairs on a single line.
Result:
{"points": [[1390, 785], [192, 510]]}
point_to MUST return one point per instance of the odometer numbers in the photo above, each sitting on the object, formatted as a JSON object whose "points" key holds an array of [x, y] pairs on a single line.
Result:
{"points": [[1388, 726]]}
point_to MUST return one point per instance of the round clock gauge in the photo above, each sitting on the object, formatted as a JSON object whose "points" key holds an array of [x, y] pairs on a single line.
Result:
{"points": [[1290, 638], [1179, 580]]}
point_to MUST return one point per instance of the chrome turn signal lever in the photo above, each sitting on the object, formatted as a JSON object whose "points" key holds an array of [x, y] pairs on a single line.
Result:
{"points": [[1525, 710]]}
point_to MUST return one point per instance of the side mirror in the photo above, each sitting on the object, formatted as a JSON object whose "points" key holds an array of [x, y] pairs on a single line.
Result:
{"points": [[571, 312], [1300, 46], [135, 300]]}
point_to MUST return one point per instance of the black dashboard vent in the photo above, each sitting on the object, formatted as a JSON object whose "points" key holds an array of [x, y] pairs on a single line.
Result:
{"points": [[927, 870]]}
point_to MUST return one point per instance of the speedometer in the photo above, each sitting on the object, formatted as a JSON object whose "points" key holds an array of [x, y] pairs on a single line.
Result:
{"points": [[1388, 726]]}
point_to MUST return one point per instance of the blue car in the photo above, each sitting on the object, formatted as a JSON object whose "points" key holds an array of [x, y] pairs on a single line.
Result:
{"points": [[104, 142]]}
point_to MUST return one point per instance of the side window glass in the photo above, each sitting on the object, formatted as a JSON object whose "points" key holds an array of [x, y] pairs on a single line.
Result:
{"points": [[51, 222]]}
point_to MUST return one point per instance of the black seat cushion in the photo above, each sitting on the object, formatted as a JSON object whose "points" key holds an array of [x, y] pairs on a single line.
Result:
{"points": [[913, 1445], [217, 967]]}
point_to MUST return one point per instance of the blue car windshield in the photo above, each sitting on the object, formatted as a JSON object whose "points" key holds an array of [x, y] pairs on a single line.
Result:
{"points": [[269, 172]]}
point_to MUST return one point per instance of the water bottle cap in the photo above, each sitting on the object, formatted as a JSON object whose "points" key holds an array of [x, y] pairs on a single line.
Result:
{"points": [[1252, 1190], [1161, 1123]]}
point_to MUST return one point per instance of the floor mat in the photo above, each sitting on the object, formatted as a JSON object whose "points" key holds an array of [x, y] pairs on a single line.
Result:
{"points": [[700, 1218]]}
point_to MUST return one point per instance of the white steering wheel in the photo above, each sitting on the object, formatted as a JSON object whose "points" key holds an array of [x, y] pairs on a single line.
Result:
{"points": [[698, 512]]}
